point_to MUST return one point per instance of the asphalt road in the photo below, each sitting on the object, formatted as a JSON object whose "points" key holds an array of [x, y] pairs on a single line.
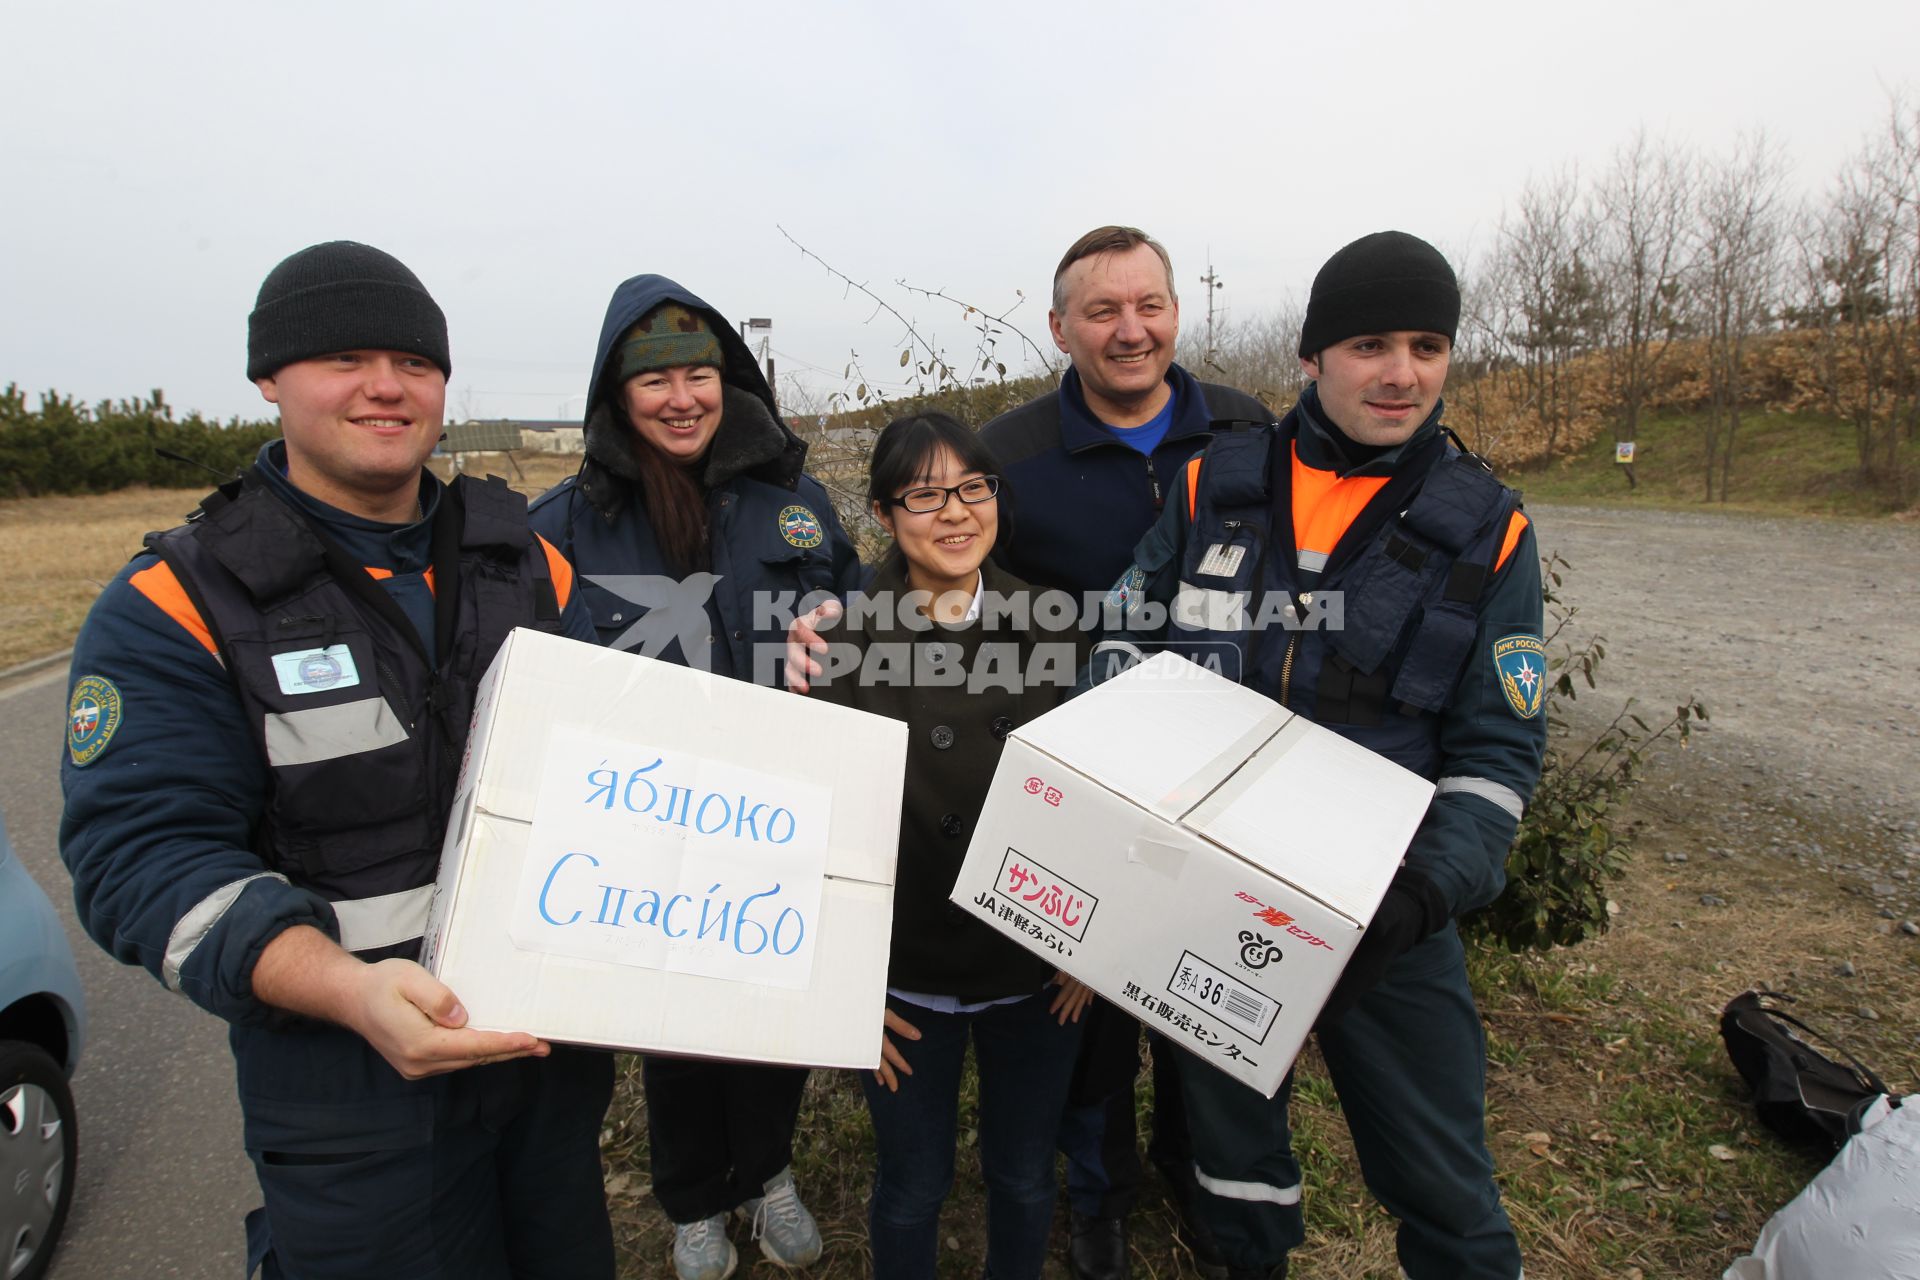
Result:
{"points": [[163, 1184]]}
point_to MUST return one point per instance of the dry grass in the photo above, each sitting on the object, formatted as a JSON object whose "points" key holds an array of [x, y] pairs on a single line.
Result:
{"points": [[66, 549]]}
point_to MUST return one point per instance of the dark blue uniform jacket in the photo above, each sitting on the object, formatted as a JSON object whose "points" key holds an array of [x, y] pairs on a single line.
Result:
{"points": [[1440, 671], [165, 788], [1077, 498]]}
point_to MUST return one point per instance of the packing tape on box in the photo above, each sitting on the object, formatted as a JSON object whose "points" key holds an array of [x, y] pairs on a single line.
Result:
{"points": [[1242, 779], [1203, 781], [1157, 855]]}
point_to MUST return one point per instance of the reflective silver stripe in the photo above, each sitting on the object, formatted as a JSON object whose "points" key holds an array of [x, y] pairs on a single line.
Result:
{"points": [[1312, 561], [1503, 798], [1209, 610], [369, 923], [1247, 1190], [199, 921], [1119, 648], [313, 734]]}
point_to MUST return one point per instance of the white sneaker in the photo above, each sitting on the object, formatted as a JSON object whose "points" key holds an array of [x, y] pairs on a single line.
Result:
{"points": [[701, 1250], [787, 1233]]}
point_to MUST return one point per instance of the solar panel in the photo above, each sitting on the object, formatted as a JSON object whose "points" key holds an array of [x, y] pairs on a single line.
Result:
{"points": [[481, 437]]}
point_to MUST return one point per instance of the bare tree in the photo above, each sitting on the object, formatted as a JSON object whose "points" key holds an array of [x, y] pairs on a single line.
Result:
{"points": [[1488, 368], [1644, 244], [1554, 310], [1859, 269], [1261, 356], [1737, 285]]}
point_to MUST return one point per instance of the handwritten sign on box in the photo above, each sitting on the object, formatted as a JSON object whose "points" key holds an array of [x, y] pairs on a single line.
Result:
{"points": [[672, 861]]}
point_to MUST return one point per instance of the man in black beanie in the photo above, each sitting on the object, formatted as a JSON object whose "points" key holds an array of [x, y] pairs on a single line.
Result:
{"points": [[269, 710], [1409, 585]]}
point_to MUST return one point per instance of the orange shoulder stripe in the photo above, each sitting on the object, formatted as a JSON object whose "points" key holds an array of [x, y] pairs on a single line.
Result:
{"points": [[1516, 525], [561, 571], [1193, 486], [157, 583], [1325, 504]]}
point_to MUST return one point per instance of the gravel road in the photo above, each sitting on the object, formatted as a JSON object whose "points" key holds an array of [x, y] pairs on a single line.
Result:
{"points": [[1803, 639]]}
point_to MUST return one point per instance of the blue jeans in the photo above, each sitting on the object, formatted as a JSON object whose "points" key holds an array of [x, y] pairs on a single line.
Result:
{"points": [[1025, 1060]]}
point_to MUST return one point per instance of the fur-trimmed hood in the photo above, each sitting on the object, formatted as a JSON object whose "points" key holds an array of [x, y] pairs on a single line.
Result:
{"points": [[752, 439]]}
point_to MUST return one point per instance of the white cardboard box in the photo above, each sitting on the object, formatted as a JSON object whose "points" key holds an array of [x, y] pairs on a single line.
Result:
{"points": [[620, 823], [1194, 852]]}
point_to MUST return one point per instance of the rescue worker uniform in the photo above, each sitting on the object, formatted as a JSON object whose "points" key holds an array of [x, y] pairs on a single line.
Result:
{"points": [[718, 1130], [269, 711], [1394, 597], [1074, 499]]}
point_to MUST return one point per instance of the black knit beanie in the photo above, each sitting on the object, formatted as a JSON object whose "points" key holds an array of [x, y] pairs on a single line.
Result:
{"points": [[342, 296], [1382, 283]]}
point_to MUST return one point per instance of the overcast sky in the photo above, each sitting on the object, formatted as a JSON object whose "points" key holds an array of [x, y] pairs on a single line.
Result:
{"points": [[159, 159]]}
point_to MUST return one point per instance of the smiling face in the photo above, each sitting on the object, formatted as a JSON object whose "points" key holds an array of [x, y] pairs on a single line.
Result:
{"points": [[944, 548], [1118, 325], [358, 426], [675, 410], [1379, 387]]}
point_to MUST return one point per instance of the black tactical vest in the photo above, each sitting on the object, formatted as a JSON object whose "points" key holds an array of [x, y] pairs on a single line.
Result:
{"points": [[1381, 677], [361, 734]]}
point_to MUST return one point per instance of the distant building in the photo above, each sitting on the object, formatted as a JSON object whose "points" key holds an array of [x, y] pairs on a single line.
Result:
{"points": [[531, 436]]}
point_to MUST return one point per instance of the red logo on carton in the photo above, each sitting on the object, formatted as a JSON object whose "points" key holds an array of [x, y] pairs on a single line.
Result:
{"points": [[1280, 920], [1035, 787], [1043, 892]]}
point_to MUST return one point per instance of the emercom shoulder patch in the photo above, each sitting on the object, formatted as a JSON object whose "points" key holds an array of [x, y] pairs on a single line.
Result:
{"points": [[800, 527], [1520, 664], [93, 716], [1125, 594]]}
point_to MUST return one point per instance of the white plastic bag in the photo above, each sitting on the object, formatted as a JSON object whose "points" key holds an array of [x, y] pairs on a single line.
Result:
{"points": [[1859, 1219]]}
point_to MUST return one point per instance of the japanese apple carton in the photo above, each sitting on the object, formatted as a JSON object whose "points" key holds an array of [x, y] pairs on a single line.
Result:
{"points": [[1195, 853], [642, 856]]}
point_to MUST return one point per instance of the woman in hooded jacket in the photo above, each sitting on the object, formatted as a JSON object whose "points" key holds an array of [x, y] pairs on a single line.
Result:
{"points": [[690, 504]]}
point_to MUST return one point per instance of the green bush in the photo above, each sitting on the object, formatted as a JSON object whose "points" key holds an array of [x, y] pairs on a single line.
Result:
{"points": [[64, 446], [1572, 843]]}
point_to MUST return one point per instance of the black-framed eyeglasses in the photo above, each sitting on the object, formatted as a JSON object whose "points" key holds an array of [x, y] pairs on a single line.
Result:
{"points": [[934, 497]]}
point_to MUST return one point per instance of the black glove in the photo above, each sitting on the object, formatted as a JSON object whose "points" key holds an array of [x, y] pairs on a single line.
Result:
{"points": [[1411, 912]]}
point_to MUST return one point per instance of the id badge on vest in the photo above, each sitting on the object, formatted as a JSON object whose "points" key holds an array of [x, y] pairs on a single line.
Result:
{"points": [[316, 670]]}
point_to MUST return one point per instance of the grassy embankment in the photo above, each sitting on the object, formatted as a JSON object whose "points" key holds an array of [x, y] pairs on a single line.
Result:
{"points": [[1783, 464]]}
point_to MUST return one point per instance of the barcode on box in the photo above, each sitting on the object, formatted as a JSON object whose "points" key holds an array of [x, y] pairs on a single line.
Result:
{"points": [[1222, 996]]}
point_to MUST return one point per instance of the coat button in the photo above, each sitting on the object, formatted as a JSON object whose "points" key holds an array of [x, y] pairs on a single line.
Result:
{"points": [[951, 826], [618, 616], [1002, 726], [936, 653], [942, 737]]}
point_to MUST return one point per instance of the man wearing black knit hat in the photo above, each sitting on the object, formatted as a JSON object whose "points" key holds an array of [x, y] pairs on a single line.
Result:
{"points": [[269, 710], [1410, 587]]}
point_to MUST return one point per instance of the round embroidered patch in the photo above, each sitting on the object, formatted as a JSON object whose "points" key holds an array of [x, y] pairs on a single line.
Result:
{"points": [[93, 716], [1127, 592], [800, 527]]}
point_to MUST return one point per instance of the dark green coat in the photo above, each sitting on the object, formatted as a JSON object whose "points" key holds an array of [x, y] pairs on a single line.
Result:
{"points": [[954, 737]]}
